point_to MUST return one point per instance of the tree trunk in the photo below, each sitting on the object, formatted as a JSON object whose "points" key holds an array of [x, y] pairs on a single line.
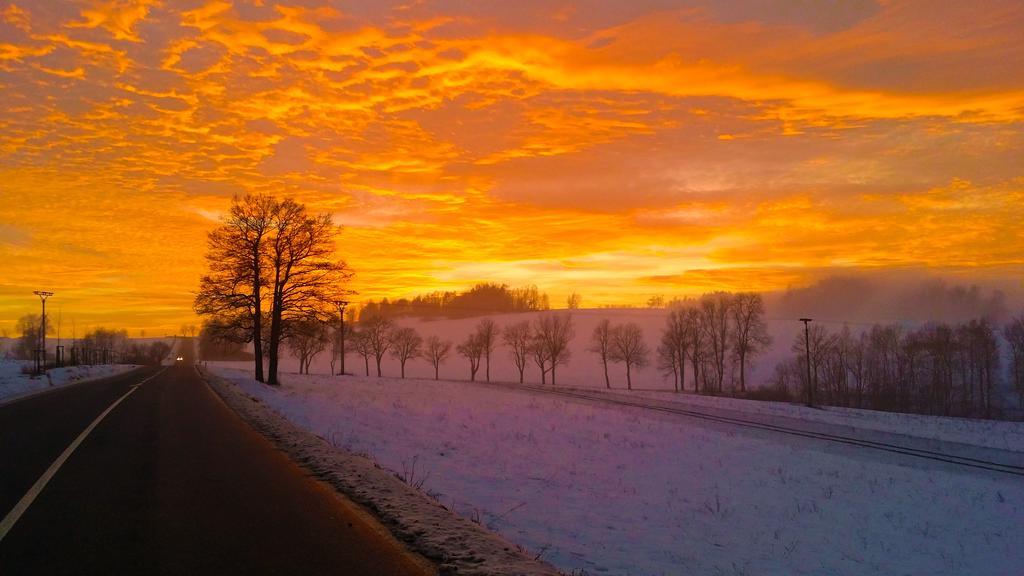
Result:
{"points": [[403, 370], [488, 366], [275, 341], [552, 373], [607, 381], [366, 360], [743, 373], [629, 378], [378, 367], [435, 372]]}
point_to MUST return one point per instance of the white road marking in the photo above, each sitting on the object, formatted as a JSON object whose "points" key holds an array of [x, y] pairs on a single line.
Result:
{"points": [[9, 520]]}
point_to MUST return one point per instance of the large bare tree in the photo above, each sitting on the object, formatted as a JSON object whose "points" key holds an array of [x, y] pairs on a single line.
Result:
{"points": [[270, 261], [232, 290], [304, 275], [714, 313]]}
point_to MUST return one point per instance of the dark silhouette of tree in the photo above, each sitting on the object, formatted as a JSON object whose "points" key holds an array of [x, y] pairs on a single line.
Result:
{"points": [[377, 333], [222, 340], [628, 347], [437, 352], [749, 331], [487, 331], [574, 301], [714, 309], [600, 344], [405, 345], [308, 338], [675, 345], [518, 337], [1013, 332], [362, 346], [473, 349], [697, 349], [553, 332], [232, 290], [29, 326], [304, 276]]}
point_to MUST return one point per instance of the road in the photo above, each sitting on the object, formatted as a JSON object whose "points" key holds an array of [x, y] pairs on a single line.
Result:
{"points": [[170, 481]]}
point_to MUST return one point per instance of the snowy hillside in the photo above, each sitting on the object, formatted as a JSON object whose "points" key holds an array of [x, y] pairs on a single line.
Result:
{"points": [[604, 489]]}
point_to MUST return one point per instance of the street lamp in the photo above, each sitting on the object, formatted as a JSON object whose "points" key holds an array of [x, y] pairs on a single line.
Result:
{"points": [[341, 317], [41, 354], [807, 347]]}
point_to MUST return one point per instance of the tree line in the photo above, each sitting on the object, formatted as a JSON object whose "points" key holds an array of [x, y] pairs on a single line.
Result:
{"points": [[100, 345], [949, 369], [483, 298]]}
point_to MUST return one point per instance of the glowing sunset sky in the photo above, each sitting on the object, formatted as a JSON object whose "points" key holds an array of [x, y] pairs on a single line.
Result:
{"points": [[620, 149]]}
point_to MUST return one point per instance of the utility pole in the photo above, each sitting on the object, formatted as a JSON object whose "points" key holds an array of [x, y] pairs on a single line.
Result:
{"points": [[41, 354], [341, 318], [807, 347]]}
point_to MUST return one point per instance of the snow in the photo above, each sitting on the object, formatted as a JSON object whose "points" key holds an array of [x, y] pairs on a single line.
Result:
{"points": [[15, 385], [606, 489], [994, 434]]}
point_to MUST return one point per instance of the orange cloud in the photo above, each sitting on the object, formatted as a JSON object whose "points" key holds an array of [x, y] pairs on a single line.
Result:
{"points": [[616, 151]]}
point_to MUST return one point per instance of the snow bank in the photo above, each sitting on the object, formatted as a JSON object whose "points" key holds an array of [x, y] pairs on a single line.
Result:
{"points": [[15, 385], [456, 544], [602, 489]]}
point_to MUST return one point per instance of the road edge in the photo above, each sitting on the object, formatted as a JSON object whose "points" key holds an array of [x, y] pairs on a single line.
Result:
{"points": [[457, 545]]}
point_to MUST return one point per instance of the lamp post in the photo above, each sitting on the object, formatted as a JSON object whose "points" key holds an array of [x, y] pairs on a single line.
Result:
{"points": [[807, 347], [41, 355], [341, 319]]}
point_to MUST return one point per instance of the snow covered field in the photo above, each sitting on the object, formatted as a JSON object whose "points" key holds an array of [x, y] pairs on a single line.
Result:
{"points": [[14, 384], [604, 489]]}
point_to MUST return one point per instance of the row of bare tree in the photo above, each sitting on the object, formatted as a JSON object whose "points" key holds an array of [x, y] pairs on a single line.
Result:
{"points": [[945, 369], [544, 342], [270, 262]]}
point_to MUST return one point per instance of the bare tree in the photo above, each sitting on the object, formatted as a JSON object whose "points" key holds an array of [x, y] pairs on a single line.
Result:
{"points": [[233, 288], [405, 345], [307, 340], [628, 347], [749, 330], [697, 349], [303, 274], [437, 352], [554, 331], [1013, 332], [377, 332], [539, 355], [472, 348], [675, 346], [714, 310], [600, 344], [574, 301], [487, 331], [518, 337], [668, 360], [362, 346]]}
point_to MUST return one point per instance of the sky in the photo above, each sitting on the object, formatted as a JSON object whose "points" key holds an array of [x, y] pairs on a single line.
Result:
{"points": [[615, 149]]}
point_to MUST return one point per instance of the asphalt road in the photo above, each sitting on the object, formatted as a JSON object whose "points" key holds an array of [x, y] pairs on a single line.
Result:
{"points": [[171, 481]]}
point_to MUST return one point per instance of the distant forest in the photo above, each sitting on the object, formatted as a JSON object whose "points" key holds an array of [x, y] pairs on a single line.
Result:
{"points": [[484, 298]]}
